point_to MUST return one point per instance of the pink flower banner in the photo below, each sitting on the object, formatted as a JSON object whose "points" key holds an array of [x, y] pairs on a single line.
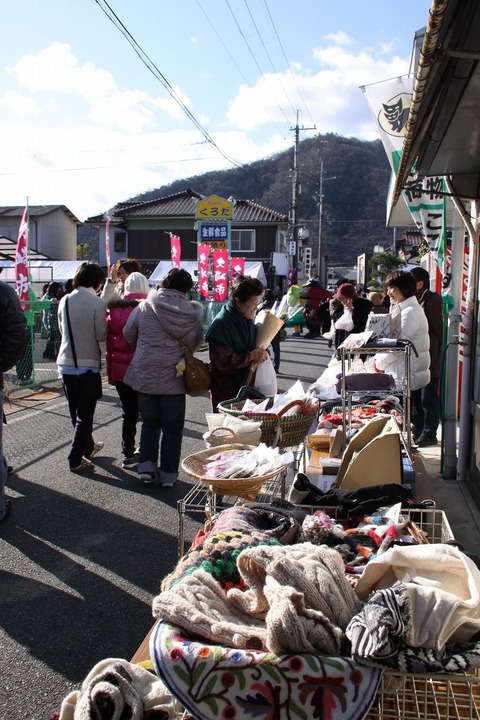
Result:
{"points": [[176, 250], [237, 267], [203, 257], [22, 283], [220, 275]]}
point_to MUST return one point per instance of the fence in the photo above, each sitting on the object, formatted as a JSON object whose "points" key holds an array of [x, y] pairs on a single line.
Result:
{"points": [[38, 365]]}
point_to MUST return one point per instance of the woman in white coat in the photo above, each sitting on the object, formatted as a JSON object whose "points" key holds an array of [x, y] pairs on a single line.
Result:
{"points": [[410, 323]]}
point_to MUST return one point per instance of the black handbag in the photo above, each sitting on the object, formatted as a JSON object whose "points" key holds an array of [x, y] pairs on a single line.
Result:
{"points": [[89, 383]]}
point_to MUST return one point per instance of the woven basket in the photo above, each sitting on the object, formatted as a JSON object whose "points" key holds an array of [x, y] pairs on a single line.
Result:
{"points": [[278, 430], [194, 465]]}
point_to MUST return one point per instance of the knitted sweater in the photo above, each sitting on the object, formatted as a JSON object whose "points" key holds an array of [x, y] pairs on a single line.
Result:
{"points": [[89, 328]]}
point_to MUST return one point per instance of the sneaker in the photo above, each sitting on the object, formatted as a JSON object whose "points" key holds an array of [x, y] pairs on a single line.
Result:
{"points": [[8, 508], [167, 484], [84, 465], [9, 469], [148, 478], [424, 441], [96, 449], [129, 462]]}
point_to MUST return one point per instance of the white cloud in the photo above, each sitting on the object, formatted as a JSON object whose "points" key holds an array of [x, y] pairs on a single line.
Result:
{"points": [[16, 103], [340, 37]]}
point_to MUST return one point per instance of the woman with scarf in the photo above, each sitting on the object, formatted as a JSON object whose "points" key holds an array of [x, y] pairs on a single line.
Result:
{"points": [[231, 340]]}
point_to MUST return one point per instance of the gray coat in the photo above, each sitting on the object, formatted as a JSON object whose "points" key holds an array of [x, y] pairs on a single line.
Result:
{"points": [[154, 327]]}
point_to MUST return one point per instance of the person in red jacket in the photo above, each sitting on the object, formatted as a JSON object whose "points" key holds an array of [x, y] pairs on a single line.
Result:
{"points": [[119, 354], [314, 293]]}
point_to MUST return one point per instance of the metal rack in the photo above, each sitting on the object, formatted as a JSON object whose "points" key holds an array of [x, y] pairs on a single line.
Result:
{"points": [[347, 356], [202, 499]]}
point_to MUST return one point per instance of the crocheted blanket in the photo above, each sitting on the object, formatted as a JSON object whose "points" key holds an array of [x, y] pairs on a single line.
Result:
{"points": [[213, 681]]}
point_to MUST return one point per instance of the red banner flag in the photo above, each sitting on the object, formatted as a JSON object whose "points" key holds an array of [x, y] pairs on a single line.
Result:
{"points": [[107, 245], [176, 249], [220, 275], [203, 257], [22, 283], [237, 267]]}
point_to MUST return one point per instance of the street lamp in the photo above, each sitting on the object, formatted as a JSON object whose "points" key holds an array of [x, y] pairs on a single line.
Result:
{"points": [[320, 214]]}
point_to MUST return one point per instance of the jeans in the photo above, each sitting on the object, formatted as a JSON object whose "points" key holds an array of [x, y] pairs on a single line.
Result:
{"points": [[3, 463], [162, 415], [129, 401], [426, 410], [82, 410]]}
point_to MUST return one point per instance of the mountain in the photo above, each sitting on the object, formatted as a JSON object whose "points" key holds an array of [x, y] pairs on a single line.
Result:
{"points": [[355, 184], [353, 217]]}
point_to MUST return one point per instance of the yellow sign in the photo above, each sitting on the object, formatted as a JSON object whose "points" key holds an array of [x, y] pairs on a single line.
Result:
{"points": [[214, 208]]}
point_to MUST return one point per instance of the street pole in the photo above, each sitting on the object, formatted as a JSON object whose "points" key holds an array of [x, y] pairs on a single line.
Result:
{"points": [[294, 210], [320, 213]]}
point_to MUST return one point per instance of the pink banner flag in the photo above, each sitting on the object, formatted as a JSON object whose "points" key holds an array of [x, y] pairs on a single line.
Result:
{"points": [[220, 275], [21, 260], [107, 245], [203, 257], [176, 249], [237, 267]]}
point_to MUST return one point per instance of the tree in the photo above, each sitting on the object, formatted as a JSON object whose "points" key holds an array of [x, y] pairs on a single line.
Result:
{"points": [[382, 264], [83, 251]]}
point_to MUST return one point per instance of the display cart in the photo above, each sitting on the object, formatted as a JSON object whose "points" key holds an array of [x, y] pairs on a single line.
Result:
{"points": [[358, 384]]}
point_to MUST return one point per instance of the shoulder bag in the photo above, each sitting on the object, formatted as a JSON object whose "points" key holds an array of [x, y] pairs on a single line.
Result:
{"points": [[197, 375], [89, 383]]}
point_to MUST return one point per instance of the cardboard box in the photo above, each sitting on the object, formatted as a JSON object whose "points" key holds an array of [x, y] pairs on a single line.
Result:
{"points": [[373, 456]]}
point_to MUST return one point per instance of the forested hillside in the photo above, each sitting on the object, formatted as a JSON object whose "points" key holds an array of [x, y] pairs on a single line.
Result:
{"points": [[356, 177]]}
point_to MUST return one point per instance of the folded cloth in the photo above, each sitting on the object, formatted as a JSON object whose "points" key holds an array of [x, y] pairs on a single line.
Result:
{"points": [[116, 688], [363, 501], [443, 587], [298, 600]]}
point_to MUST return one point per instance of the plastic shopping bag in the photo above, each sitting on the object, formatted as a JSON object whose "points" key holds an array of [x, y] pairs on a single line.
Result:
{"points": [[266, 378]]}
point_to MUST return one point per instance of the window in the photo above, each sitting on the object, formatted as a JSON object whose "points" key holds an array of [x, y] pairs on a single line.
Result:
{"points": [[120, 243], [243, 241]]}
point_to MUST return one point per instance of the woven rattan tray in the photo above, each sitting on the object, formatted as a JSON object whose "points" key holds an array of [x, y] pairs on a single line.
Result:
{"points": [[194, 465]]}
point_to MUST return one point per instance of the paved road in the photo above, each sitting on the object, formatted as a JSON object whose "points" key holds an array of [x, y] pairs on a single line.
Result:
{"points": [[81, 557]]}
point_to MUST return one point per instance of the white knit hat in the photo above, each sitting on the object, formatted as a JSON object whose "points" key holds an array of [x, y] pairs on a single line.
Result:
{"points": [[136, 283]]}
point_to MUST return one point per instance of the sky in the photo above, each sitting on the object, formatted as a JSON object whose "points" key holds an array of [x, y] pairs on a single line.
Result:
{"points": [[102, 101]]}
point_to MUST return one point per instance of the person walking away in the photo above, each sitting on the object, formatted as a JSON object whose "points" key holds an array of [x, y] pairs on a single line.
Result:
{"points": [[55, 293], [425, 401], [83, 326], [412, 326], [119, 354], [314, 294], [115, 284], [231, 340], [155, 327], [269, 300], [14, 337]]}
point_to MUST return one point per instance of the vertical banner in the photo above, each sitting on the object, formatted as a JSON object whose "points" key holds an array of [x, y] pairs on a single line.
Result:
{"points": [[203, 257], [22, 283], [107, 246], [390, 106], [220, 275], [176, 250], [237, 267]]}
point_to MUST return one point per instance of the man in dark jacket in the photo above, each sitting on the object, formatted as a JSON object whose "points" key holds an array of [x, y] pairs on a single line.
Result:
{"points": [[425, 402], [13, 341]]}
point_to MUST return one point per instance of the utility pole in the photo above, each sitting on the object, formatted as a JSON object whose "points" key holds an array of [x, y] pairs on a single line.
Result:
{"points": [[320, 217], [294, 209]]}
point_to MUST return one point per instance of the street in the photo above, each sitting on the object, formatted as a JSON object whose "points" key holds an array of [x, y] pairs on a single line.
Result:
{"points": [[82, 556]]}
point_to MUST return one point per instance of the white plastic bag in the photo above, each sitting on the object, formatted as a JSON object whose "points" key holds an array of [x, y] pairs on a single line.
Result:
{"points": [[345, 321], [266, 378]]}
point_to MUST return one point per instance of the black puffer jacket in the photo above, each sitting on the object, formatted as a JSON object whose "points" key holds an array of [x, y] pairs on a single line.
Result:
{"points": [[13, 329]]}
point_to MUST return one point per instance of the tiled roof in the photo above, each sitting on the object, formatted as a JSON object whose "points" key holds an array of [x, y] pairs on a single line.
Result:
{"points": [[14, 211], [183, 205]]}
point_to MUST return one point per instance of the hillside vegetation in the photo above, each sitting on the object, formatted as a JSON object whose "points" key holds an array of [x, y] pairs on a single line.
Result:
{"points": [[353, 218]]}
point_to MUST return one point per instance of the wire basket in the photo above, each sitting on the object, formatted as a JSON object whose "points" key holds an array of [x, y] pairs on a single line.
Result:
{"points": [[278, 429], [246, 487]]}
